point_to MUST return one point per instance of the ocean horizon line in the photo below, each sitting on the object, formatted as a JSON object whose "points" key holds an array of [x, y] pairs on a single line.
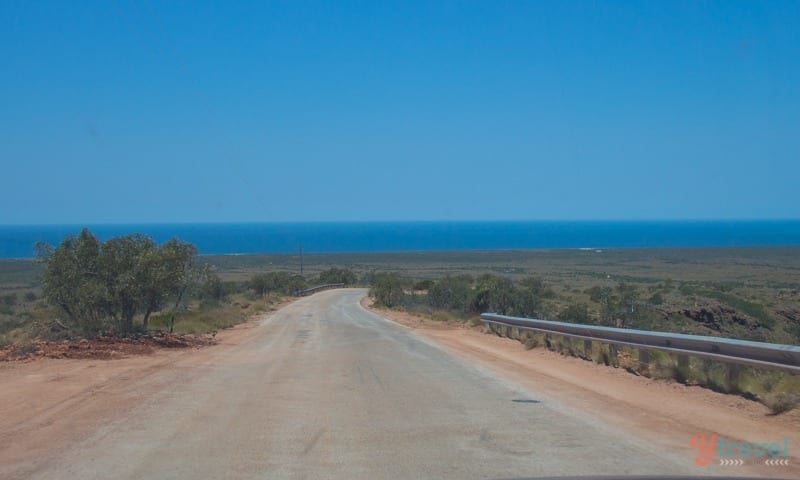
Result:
{"points": [[328, 237]]}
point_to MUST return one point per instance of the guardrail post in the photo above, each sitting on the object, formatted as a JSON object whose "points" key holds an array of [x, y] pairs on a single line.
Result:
{"points": [[612, 354], [683, 367], [587, 349], [732, 383], [644, 361], [683, 361]]}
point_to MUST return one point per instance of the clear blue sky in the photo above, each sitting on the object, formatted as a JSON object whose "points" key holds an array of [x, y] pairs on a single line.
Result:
{"points": [[148, 111]]}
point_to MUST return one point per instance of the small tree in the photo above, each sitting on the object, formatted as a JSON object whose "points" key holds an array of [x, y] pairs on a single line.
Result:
{"points": [[104, 286], [172, 271], [126, 277], [213, 288], [656, 299], [72, 280], [10, 299], [627, 309], [493, 294], [388, 289]]}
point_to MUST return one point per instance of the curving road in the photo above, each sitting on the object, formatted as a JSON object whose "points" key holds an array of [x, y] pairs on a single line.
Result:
{"points": [[325, 389]]}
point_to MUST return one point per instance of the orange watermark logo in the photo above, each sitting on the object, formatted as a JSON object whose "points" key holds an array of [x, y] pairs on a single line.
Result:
{"points": [[735, 453]]}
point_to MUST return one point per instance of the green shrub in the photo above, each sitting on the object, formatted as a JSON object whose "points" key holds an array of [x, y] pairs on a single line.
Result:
{"points": [[575, 312], [338, 275], [388, 289], [454, 293], [493, 294], [281, 282], [656, 299]]}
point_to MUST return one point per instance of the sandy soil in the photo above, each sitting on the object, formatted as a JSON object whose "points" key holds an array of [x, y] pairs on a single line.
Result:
{"points": [[666, 413], [43, 403]]}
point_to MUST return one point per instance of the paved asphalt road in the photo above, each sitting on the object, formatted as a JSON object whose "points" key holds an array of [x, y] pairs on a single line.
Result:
{"points": [[325, 389]]}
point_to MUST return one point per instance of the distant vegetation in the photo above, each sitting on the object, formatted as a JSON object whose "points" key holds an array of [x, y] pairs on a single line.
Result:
{"points": [[130, 284], [276, 282], [462, 295], [749, 293], [688, 307], [337, 275]]}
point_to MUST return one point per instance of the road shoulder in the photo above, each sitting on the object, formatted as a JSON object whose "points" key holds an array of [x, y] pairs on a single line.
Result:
{"points": [[665, 413]]}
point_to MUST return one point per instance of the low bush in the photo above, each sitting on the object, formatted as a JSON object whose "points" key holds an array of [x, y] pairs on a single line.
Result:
{"points": [[338, 275], [530, 342], [281, 282], [388, 289], [9, 299], [781, 402]]}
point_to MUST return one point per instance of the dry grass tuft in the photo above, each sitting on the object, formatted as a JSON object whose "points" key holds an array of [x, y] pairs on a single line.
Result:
{"points": [[781, 402]]}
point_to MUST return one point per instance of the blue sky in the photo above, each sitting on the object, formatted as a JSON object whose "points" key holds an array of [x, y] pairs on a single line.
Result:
{"points": [[146, 111]]}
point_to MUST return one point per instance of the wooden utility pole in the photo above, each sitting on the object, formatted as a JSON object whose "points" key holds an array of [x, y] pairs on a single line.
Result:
{"points": [[301, 258]]}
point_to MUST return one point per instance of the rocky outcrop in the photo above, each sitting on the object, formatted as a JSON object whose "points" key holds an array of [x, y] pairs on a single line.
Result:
{"points": [[789, 312], [712, 314]]}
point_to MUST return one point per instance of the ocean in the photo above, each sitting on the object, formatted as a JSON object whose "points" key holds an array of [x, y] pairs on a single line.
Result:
{"points": [[239, 238]]}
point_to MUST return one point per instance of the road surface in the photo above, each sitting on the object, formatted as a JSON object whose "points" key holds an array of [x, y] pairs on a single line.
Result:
{"points": [[326, 389]]}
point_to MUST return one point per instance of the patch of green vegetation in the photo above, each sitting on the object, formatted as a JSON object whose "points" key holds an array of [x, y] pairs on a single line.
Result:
{"points": [[209, 315], [17, 273], [337, 275], [201, 321]]}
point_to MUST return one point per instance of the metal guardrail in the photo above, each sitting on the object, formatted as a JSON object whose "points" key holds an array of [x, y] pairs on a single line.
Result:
{"points": [[308, 291], [736, 352]]}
